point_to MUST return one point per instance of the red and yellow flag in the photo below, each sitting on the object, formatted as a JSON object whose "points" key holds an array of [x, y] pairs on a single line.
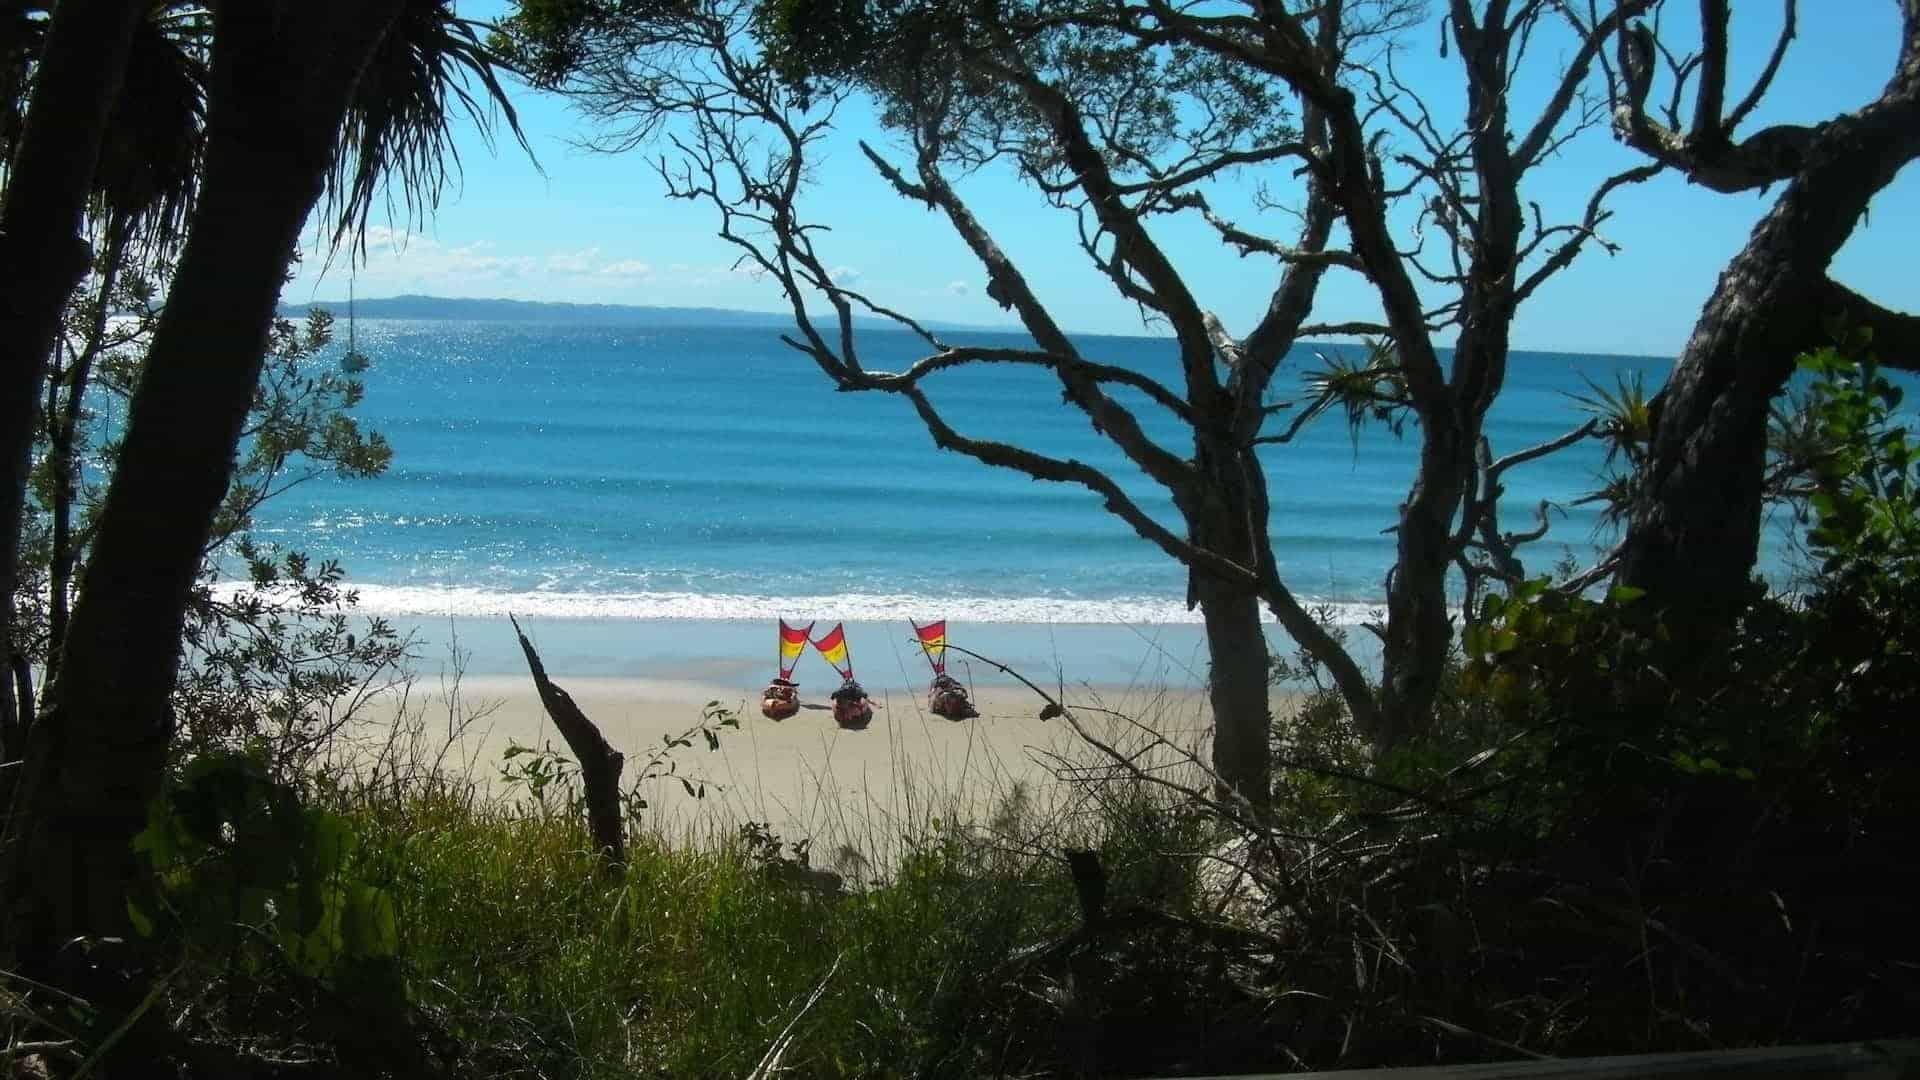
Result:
{"points": [[933, 641], [834, 648], [793, 642]]}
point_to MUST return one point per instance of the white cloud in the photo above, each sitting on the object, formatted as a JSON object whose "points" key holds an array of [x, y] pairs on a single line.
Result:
{"points": [[426, 257], [958, 288], [384, 239], [573, 262], [398, 259]]}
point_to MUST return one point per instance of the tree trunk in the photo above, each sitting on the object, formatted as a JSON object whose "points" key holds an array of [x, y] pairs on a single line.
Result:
{"points": [[1419, 629], [1694, 534], [99, 755], [1237, 689], [1238, 675], [600, 763], [42, 255]]}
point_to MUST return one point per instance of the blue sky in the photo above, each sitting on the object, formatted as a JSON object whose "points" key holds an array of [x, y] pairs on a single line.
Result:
{"points": [[593, 228]]}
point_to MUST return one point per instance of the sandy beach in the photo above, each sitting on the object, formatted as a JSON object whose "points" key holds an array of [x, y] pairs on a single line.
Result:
{"points": [[805, 777]]}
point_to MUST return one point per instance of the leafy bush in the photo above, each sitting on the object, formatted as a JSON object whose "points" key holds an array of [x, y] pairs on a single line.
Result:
{"points": [[243, 868], [1754, 818], [273, 659]]}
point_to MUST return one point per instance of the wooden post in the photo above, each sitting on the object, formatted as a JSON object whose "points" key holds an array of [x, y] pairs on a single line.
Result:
{"points": [[600, 763]]}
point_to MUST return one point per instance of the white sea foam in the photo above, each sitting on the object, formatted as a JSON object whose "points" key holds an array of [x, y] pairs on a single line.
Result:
{"points": [[466, 601]]}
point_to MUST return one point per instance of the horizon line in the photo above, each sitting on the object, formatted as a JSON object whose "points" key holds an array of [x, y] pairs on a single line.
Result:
{"points": [[887, 324]]}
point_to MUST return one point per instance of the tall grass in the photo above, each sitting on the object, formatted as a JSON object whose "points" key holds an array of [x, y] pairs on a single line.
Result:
{"points": [[716, 954]]}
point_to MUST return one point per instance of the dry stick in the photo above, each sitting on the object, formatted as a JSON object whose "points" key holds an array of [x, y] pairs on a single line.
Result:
{"points": [[1053, 709], [1229, 807], [770, 1064], [600, 763], [1056, 708]]}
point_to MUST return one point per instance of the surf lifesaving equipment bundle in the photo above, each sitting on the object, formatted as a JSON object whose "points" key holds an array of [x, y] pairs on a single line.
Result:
{"points": [[781, 698], [851, 706], [945, 696]]}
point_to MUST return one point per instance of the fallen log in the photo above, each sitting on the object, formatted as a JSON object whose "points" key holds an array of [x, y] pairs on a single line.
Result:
{"points": [[600, 763]]}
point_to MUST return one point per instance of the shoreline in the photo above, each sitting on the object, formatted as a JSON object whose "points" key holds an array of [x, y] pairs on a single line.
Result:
{"points": [[738, 655]]}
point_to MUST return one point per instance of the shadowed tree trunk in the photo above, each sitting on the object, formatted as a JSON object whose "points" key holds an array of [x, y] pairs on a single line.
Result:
{"points": [[600, 763], [1237, 689], [281, 79], [42, 254], [1693, 538]]}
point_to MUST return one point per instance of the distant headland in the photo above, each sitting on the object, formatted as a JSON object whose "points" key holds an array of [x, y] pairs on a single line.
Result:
{"points": [[536, 311]]}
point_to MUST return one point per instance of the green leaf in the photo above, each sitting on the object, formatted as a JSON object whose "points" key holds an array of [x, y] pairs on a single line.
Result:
{"points": [[330, 841], [142, 924], [1624, 594], [371, 923], [1474, 639]]}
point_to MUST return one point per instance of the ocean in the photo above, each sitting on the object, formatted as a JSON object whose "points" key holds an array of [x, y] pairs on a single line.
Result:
{"points": [[714, 474]]}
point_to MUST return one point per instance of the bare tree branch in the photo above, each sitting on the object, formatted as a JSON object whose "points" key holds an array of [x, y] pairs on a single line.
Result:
{"points": [[1707, 153], [1896, 334], [1707, 107], [1042, 467], [952, 356], [1534, 453], [1532, 148], [1564, 254], [1133, 244], [1788, 28], [1219, 163], [1009, 285]]}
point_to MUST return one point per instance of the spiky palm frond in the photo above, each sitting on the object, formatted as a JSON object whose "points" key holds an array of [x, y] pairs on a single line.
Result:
{"points": [[1797, 446], [1370, 389], [398, 135], [1625, 414], [1615, 497], [149, 168]]}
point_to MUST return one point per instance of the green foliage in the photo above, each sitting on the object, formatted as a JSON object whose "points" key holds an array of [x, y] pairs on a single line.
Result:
{"points": [[693, 962], [928, 66], [542, 772], [1625, 417], [1746, 801], [546, 41], [280, 659], [543, 781], [1865, 487], [661, 762], [274, 661], [302, 414], [245, 871]]}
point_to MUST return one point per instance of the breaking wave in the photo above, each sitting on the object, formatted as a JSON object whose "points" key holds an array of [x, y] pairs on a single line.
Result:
{"points": [[462, 601]]}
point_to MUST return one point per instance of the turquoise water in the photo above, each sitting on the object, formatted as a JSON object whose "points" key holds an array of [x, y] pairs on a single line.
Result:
{"points": [[715, 474]]}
